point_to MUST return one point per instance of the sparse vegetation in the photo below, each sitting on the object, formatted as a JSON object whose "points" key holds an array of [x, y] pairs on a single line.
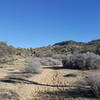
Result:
{"points": [[7, 94]]}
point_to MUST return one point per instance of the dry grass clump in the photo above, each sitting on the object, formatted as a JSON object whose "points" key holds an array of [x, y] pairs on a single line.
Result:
{"points": [[93, 80], [82, 61]]}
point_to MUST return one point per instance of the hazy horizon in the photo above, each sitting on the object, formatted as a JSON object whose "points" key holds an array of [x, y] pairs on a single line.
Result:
{"points": [[37, 23]]}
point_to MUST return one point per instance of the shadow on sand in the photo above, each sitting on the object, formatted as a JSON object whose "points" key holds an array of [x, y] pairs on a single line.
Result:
{"points": [[25, 81], [55, 67], [70, 75], [60, 68], [72, 94]]}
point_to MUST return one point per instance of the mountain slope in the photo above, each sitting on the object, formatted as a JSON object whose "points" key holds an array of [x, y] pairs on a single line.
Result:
{"points": [[67, 47]]}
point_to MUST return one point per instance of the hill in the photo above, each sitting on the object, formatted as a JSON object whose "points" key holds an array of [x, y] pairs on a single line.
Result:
{"points": [[66, 47]]}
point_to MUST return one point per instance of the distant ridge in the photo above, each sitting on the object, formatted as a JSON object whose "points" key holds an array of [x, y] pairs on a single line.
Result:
{"points": [[71, 42], [68, 43]]}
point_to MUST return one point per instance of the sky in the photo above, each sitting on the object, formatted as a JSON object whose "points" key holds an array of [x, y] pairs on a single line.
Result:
{"points": [[37, 23]]}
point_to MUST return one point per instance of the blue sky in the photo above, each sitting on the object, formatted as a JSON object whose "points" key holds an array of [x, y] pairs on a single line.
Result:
{"points": [[36, 23]]}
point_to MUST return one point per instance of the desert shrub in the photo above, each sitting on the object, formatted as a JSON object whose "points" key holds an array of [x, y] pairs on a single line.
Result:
{"points": [[97, 51], [82, 61], [58, 56], [43, 54], [6, 53], [7, 94], [93, 81], [48, 61], [6, 50], [7, 60], [33, 66], [90, 83]]}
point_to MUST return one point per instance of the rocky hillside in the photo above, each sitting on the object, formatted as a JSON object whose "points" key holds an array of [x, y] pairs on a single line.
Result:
{"points": [[67, 47]]}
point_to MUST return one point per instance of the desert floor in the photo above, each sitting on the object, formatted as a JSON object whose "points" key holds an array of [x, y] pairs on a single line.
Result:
{"points": [[54, 83]]}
